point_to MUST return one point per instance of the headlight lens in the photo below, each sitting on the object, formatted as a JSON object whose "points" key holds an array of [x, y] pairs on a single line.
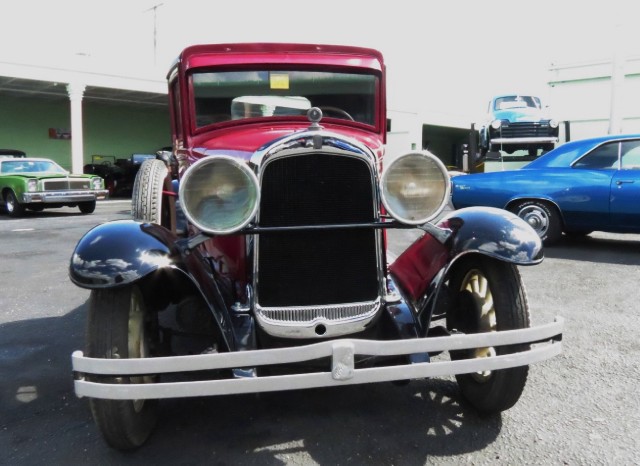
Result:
{"points": [[219, 194], [96, 183], [496, 124], [553, 123], [32, 186], [415, 188]]}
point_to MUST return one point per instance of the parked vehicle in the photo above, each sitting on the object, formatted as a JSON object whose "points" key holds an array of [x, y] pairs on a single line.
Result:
{"points": [[518, 122], [11, 153], [119, 174], [37, 184], [278, 278], [579, 187]]}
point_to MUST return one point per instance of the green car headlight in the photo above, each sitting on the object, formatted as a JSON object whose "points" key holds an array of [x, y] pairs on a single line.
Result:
{"points": [[96, 183], [32, 185], [415, 188], [219, 194]]}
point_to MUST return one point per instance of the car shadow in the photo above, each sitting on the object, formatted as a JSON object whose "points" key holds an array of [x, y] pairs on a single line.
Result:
{"points": [[379, 423], [602, 248]]}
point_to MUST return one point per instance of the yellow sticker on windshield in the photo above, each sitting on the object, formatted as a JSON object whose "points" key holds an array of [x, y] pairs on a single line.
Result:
{"points": [[279, 81]]}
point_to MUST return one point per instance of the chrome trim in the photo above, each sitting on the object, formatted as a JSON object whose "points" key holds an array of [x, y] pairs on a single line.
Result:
{"points": [[309, 139], [54, 197], [317, 321], [539, 139], [545, 338]]}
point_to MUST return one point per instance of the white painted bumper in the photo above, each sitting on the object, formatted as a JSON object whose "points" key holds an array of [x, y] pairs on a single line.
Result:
{"points": [[546, 340]]}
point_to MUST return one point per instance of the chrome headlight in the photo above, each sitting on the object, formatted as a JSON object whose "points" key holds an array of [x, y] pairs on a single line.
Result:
{"points": [[553, 123], [32, 185], [496, 124], [219, 194], [96, 183], [415, 187]]}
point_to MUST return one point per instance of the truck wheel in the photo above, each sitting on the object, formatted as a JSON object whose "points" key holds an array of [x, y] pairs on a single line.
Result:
{"points": [[488, 296], [146, 199], [544, 218], [87, 207], [119, 326], [13, 206]]}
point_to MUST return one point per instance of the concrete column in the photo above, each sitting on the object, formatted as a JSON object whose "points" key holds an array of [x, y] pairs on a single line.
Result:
{"points": [[76, 93]]}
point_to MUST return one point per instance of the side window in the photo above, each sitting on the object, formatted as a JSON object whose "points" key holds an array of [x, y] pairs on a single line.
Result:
{"points": [[602, 157], [630, 155]]}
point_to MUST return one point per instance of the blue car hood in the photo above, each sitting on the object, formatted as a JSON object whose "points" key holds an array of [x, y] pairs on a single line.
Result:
{"points": [[519, 114]]}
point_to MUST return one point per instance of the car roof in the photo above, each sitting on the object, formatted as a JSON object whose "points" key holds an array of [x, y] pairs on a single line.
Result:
{"points": [[282, 53], [33, 159], [588, 144]]}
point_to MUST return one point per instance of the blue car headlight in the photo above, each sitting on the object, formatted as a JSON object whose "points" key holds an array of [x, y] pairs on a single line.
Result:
{"points": [[415, 187], [496, 124], [219, 194]]}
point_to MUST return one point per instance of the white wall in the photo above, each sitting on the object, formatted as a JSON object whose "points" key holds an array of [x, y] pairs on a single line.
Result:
{"points": [[597, 97]]}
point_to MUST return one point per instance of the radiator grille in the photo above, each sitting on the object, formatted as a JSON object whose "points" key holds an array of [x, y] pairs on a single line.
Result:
{"points": [[61, 184], [526, 130], [317, 267]]}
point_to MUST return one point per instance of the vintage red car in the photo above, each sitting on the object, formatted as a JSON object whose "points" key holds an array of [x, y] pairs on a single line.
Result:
{"points": [[256, 259]]}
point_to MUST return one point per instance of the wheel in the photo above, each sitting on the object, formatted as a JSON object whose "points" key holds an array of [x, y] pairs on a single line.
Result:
{"points": [[120, 327], [543, 217], [148, 203], [12, 205], [337, 111], [487, 296], [87, 207]]}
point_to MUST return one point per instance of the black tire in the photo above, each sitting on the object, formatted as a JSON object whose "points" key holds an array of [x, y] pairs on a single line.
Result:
{"points": [[87, 207], [146, 198], [488, 295], [114, 315], [543, 217], [13, 206]]}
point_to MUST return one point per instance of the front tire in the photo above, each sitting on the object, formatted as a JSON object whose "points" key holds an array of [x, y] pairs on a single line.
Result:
{"points": [[87, 207], [13, 206], [544, 218], [119, 326], [488, 296]]}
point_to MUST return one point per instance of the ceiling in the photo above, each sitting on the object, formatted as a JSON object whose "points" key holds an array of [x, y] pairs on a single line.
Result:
{"points": [[20, 87]]}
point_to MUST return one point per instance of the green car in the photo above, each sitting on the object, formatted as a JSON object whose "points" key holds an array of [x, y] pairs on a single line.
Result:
{"points": [[37, 184]]}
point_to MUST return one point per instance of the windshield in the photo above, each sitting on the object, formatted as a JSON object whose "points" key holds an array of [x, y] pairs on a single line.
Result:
{"points": [[30, 166], [235, 95], [517, 101]]}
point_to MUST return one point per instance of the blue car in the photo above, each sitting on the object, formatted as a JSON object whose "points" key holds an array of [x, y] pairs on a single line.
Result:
{"points": [[518, 122], [579, 187]]}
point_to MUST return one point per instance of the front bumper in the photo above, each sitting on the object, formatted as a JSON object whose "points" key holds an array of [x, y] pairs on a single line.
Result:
{"points": [[546, 341], [64, 197], [529, 140]]}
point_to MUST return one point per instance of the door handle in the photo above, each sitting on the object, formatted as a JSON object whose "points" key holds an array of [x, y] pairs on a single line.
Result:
{"points": [[620, 182]]}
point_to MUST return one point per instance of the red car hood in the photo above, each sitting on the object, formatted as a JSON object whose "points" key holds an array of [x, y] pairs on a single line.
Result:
{"points": [[242, 141]]}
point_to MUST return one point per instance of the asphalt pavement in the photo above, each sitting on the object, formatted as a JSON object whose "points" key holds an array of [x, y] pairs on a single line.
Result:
{"points": [[581, 408]]}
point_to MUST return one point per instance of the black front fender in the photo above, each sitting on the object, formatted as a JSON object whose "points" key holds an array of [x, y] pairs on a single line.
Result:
{"points": [[120, 252], [493, 232], [124, 251]]}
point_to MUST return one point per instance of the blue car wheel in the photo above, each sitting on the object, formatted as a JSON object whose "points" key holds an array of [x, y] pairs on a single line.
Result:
{"points": [[542, 217]]}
